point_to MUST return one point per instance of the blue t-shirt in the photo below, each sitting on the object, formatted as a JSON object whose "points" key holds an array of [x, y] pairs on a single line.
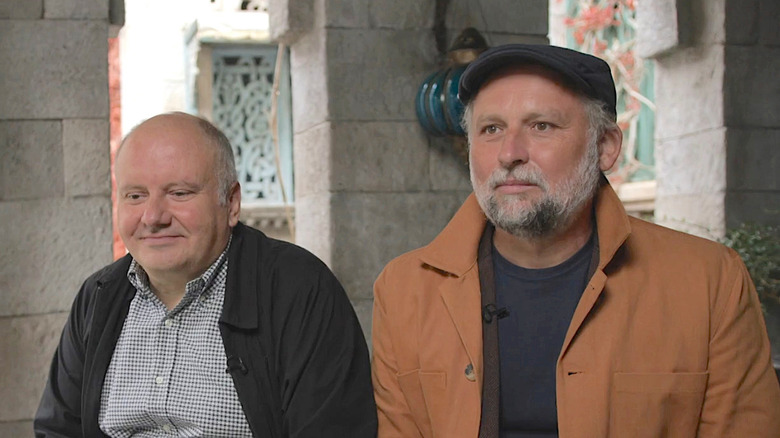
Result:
{"points": [[541, 303]]}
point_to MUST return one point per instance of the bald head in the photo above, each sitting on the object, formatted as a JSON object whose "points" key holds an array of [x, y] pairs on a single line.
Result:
{"points": [[212, 137]]}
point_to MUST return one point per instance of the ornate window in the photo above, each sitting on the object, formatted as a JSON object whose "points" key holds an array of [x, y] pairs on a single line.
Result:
{"points": [[231, 74], [242, 98]]}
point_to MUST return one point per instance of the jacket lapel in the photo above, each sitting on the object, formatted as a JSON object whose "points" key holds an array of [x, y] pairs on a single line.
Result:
{"points": [[240, 308], [454, 254], [462, 300], [612, 228]]}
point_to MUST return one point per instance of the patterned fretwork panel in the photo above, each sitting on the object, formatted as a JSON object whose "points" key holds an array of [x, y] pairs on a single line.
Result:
{"points": [[243, 83]]}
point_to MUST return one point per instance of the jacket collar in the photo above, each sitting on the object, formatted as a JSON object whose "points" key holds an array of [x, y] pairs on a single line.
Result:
{"points": [[240, 307], [612, 223], [454, 250]]}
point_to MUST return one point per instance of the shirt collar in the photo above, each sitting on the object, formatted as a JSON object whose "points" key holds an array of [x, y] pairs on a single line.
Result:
{"points": [[194, 288]]}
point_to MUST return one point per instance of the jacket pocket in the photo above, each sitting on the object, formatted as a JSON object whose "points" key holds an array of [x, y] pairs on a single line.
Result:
{"points": [[656, 404], [424, 394]]}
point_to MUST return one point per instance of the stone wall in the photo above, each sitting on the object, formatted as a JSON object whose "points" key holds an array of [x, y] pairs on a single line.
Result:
{"points": [[718, 111], [752, 111], [55, 206], [370, 184]]}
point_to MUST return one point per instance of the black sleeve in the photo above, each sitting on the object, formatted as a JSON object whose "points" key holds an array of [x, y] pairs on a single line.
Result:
{"points": [[59, 412], [326, 388]]}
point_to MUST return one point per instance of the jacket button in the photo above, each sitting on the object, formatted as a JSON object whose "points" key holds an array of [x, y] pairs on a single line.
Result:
{"points": [[470, 375]]}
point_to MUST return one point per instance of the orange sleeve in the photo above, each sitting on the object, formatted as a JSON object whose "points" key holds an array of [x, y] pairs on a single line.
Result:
{"points": [[743, 394]]}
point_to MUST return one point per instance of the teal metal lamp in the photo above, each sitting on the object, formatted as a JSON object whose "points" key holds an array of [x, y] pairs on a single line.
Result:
{"points": [[437, 105]]}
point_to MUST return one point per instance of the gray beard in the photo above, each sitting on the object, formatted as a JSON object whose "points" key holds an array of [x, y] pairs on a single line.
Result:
{"points": [[550, 215]]}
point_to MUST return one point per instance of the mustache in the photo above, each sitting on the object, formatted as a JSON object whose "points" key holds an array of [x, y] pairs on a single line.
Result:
{"points": [[523, 174]]}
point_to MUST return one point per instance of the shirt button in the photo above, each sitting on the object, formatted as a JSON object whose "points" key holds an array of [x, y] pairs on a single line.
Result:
{"points": [[168, 323], [159, 380], [167, 427]]}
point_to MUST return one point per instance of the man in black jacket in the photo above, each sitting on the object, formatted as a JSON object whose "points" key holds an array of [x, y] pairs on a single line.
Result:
{"points": [[207, 327]]}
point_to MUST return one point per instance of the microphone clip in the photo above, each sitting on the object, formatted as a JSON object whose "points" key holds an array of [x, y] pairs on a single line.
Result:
{"points": [[234, 363], [490, 311]]}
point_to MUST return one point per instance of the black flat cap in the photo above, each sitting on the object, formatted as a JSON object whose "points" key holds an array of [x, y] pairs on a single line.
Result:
{"points": [[587, 73]]}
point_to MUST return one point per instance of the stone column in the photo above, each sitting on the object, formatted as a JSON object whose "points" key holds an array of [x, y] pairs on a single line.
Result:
{"points": [[718, 111], [55, 206], [369, 183], [752, 112]]}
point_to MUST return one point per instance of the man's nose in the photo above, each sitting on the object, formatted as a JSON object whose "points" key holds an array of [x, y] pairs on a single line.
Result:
{"points": [[514, 148], [156, 212]]}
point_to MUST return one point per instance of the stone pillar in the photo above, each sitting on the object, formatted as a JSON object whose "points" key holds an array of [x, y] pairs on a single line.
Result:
{"points": [[55, 206], [718, 111], [752, 112], [369, 183]]}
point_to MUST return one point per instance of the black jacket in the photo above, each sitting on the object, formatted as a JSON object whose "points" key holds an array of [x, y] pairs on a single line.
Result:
{"points": [[295, 350]]}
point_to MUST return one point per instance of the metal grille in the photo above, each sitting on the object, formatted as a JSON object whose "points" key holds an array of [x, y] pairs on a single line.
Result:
{"points": [[243, 82]]}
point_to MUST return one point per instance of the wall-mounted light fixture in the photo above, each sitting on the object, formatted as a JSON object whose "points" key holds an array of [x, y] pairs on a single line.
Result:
{"points": [[438, 109]]}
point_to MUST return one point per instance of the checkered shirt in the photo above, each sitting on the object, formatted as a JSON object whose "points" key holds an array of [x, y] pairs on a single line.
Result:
{"points": [[167, 376]]}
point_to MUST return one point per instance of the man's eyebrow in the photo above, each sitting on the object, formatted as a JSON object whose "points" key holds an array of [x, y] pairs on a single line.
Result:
{"points": [[128, 187], [490, 117], [183, 184]]}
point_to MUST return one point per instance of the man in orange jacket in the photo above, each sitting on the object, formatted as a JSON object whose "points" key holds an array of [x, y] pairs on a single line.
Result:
{"points": [[543, 309]]}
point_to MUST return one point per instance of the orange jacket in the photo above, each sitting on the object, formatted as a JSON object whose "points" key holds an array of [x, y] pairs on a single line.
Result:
{"points": [[668, 338]]}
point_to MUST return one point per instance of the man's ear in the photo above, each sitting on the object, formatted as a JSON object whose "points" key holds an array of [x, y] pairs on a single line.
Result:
{"points": [[609, 148], [234, 204]]}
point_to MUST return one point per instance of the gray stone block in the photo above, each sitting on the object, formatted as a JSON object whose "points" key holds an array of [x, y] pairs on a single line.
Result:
{"points": [[744, 20], [27, 348], [31, 164], [76, 9], [700, 215], [753, 159], [497, 39], [17, 429], [658, 28], [49, 249], [312, 156], [313, 225], [760, 207], [705, 20], [513, 17], [375, 74], [449, 170], [752, 92], [308, 74], [392, 14], [290, 19], [86, 157], [348, 14], [378, 157], [58, 69], [769, 13], [394, 223], [24, 9], [689, 91], [528, 17], [694, 164]]}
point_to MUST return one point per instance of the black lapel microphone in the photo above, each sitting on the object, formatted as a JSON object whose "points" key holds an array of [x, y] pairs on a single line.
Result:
{"points": [[490, 311], [234, 363]]}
